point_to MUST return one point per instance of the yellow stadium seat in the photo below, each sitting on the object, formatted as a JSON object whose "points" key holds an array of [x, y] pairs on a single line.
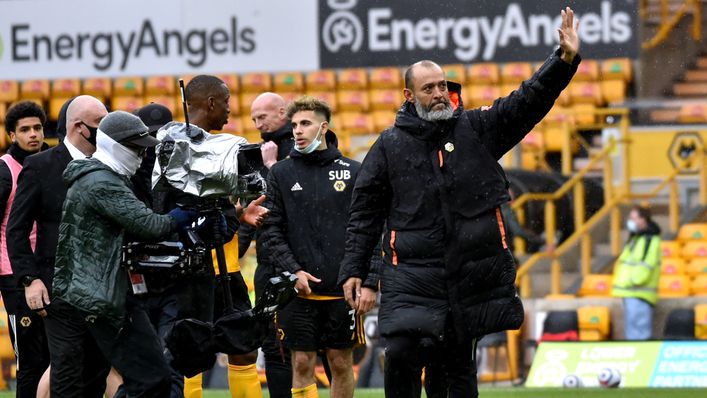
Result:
{"points": [[508, 88], [697, 266], [55, 104], [9, 91], [617, 68], [321, 80], [66, 88], [595, 285], [289, 81], [99, 87], [357, 123], [335, 123], [553, 137], [674, 286], [516, 72], [245, 101], [185, 78], [693, 113], [232, 82], [671, 248], [233, 126], [164, 100], [534, 139], [386, 77], [160, 85], [3, 110], [698, 286], [290, 96], [4, 138], [613, 91], [672, 266], [695, 248], [256, 82], [128, 86], [246, 125], [594, 323], [327, 96], [584, 114], [558, 115], [455, 73], [35, 89], [701, 321], [587, 71], [586, 93], [386, 100], [353, 100], [127, 104], [234, 105], [353, 79], [478, 96], [564, 99], [484, 73], [383, 120], [693, 231]]}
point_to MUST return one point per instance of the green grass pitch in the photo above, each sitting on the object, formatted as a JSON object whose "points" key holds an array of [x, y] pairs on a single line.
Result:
{"points": [[514, 393]]}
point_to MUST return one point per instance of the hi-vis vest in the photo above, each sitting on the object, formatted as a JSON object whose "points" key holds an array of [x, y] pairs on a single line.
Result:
{"points": [[637, 271]]}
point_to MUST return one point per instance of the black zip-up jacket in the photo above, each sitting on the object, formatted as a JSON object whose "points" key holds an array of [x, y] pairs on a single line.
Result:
{"points": [[437, 187], [308, 198], [285, 141]]}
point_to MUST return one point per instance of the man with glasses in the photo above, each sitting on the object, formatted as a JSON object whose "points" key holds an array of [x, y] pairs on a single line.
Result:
{"points": [[90, 300]]}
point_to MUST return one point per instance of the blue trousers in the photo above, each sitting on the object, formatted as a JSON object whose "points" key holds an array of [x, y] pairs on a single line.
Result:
{"points": [[638, 319]]}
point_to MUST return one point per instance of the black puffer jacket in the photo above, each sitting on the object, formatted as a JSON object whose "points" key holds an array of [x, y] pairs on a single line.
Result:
{"points": [[438, 187], [308, 198]]}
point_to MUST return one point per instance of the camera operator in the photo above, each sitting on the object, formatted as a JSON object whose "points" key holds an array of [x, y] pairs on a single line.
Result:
{"points": [[90, 287], [207, 99]]}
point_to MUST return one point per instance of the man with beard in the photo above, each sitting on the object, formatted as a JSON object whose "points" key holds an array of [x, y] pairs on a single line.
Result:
{"points": [[433, 180]]}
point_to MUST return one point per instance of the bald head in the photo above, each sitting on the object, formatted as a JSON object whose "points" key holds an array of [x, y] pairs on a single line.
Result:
{"points": [[410, 71], [83, 114], [87, 109], [268, 112]]}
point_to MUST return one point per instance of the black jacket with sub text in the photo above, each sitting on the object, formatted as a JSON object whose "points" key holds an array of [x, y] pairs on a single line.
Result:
{"points": [[308, 198]]}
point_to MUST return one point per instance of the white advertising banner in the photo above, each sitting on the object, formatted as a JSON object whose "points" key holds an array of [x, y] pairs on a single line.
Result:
{"points": [[87, 38]]}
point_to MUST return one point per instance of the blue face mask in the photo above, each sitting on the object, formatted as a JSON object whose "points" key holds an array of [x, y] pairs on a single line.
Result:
{"points": [[315, 143]]}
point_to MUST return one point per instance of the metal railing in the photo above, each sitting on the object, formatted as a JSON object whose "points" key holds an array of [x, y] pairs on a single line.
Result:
{"points": [[614, 197], [668, 22]]}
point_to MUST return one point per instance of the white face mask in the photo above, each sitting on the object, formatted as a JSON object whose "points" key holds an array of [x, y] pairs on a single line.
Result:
{"points": [[631, 226], [119, 158], [314, 144]]}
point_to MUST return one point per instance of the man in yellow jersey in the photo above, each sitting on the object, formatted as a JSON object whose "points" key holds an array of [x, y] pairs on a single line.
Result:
{"points": [[308, 197], [207, 98]]}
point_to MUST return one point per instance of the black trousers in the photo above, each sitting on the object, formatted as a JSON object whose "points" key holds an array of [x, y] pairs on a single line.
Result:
{"points": [[133, 349], [29, 340], [451, 365], [162, 310], [278, 363]]}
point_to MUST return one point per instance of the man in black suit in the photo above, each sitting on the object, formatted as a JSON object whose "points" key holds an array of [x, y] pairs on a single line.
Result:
{"points": [[39, 199]]}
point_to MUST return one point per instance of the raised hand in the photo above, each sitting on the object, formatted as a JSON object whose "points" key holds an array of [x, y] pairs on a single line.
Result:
{"points": [[569, 40]]}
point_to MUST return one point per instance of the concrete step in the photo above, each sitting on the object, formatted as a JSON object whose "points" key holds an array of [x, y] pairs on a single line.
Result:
{"points": [[690, 89], [702, 62]]}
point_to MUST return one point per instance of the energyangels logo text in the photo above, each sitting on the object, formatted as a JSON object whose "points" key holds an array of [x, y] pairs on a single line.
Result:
{"points": [[471, 37], [108, 49]]}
